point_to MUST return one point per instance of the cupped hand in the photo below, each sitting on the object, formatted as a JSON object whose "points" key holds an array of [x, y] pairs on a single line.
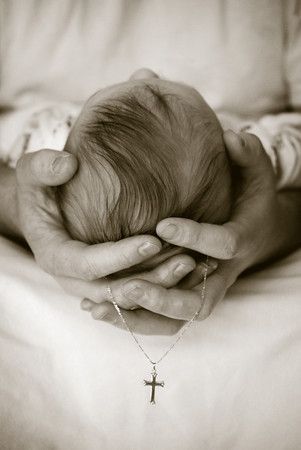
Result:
{"points": [[77, 266], [258, 230]]}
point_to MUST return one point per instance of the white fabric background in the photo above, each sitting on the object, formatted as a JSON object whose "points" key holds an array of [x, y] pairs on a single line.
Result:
{"points": [[243, 57], [67, 382]]}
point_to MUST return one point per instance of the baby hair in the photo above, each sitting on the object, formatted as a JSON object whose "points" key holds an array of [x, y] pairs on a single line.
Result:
{"points": [[141, 161]]}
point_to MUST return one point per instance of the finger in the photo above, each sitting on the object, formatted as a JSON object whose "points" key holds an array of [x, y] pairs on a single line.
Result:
{"points": [[89, 262], [59, 255], [86, 304], [46, 168], [197, 275], [172, 303], [177, 303], [218, 241], [241, 152], [223, 242], [56, 253], [139, 321], [215, 292], [246, 151], [168, 274], [256, 175], [66, 257], [143, 73], [94, 290], [145, 322]]}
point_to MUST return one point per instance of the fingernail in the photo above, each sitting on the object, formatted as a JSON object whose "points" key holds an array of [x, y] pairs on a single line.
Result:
{"points": [[58, 164], [202, 267], [183, 269], [167, 230], [86, 305], [148, 249], [212, 263], [134, 294], [211, 266]]}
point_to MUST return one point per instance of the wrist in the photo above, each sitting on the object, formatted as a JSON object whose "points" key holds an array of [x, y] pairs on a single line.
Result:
{"points": [[9, 216], [290, 218], [284, 235], [267, 143]]}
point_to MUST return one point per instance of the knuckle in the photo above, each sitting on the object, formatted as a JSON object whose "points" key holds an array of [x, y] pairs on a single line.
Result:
{"points": [[87, 269], [230, 245], [154, 300], [220, 284], [213, 297], [95, 314], [115, 321], [175, 327], [164, 276], [127, 259], [206, 311], [191, 237], [52, 259], [178, 306], [45, 263], [98, 313]]}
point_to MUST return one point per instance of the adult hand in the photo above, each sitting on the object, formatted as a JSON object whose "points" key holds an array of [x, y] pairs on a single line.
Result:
{"points": [[263, 225], [75, 265]]}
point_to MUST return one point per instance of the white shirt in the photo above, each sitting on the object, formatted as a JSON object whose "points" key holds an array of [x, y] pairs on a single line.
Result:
{"points": [[244, 57]]}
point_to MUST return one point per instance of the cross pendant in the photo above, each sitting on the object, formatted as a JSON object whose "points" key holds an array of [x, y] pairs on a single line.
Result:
{"points": [[153, 384]]}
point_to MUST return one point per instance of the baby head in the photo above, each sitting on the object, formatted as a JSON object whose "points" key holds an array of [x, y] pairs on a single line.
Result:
{"points": [[147, 149]]}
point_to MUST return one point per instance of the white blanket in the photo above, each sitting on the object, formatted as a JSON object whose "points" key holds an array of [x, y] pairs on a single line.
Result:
{"points": [[68, 382]]}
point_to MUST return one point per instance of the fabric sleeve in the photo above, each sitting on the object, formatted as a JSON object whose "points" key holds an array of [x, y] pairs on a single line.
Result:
{"points": [[280, 134]]}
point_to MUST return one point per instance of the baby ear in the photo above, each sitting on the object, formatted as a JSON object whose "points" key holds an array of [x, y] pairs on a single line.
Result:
{"points": [[143, 73]]}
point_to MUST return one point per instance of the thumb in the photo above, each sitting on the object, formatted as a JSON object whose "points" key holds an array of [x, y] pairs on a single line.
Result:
{"points": [[246, 151], [46, 168], [218, 284]]}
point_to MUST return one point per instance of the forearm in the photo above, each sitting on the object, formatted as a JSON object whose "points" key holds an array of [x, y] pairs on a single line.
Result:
{"points": [[285, 234], [8, 203], [290, 219]]}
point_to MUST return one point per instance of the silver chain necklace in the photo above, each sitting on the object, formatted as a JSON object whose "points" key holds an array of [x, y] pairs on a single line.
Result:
{"points": [[154, 383]]}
